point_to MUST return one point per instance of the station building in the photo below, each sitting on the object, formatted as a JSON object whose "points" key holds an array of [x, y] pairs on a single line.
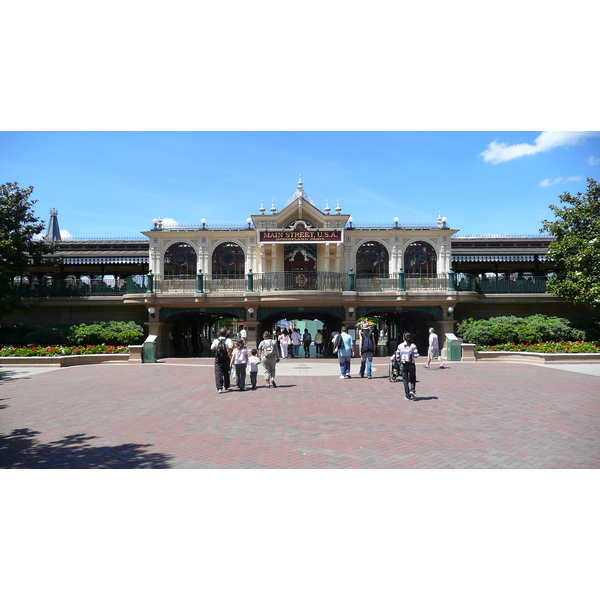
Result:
{"points": [[296, 262]]}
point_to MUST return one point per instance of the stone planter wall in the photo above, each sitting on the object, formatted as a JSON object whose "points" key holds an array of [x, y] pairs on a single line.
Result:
{"points": [[61, 361]]}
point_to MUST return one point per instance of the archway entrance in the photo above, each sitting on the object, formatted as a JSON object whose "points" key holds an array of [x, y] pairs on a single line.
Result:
{"points": [[330, 317], [191, 331], [395, 322]]}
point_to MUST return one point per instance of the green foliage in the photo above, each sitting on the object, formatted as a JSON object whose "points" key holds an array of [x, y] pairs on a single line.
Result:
{"points": [[576, 249], [516, 330], [18, 250], [111, 332], [101, 332]]}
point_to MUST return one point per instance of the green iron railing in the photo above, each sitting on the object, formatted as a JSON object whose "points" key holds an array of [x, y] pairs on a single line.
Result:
{"points": [[281, 281]]}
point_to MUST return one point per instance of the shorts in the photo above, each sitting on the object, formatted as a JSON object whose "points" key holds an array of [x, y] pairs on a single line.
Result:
{"points": [[433, 353]]}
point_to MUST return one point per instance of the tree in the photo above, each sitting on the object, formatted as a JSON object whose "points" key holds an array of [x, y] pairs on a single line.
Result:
{"points": [[576, 248], [19, 251]]}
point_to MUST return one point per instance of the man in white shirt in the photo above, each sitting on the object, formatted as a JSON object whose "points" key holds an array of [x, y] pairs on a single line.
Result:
{"points": [[434, 349], [244, 335]]}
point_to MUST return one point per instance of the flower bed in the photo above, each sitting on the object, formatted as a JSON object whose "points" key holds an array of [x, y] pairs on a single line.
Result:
{"points": [[28, 351], [543, 347]]}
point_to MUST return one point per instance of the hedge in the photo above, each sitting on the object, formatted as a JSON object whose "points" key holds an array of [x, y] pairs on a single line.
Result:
{"points": [[115, 333], [517, 330]]}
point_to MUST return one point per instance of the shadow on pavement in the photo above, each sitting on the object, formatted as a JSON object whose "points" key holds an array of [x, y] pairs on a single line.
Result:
{"points": [[20, 450]]}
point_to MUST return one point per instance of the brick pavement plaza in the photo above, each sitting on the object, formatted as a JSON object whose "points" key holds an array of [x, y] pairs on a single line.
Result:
{"points": [[168, 415]]}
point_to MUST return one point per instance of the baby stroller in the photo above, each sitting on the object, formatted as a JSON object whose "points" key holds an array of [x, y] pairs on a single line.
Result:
{"points": [[395, 373]]}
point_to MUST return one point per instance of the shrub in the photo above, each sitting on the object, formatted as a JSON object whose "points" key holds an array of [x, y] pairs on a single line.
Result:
{"points": [[529, 330], [111, 332]]}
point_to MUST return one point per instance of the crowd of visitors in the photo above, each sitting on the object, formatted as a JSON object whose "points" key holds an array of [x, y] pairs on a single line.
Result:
{"points": [[232, 360]]}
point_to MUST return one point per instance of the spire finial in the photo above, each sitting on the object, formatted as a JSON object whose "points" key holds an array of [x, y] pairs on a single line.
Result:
{"points": [[273, 209], [53, 231], [338, 209], [262, 207]]}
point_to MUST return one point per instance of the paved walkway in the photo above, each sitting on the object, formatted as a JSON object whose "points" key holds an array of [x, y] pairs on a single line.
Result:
{"points": [[168, 415]]}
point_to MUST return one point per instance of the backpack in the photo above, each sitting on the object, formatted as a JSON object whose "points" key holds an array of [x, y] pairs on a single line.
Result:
{"points": [[339, 343], [269, 350], [367, 345], [306, 337], [222, 351], [404, 354]]}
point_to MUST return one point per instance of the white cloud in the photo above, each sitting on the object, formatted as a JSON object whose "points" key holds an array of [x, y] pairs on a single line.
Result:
{"points": [[574, 178], [546, 141], [65, 235], [549, 182], [592, 160]]}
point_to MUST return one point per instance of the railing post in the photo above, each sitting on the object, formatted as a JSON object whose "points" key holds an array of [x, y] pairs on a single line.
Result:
{"points": [[250, 280], [200, 279], [451, 281], [150, 288], [351, 277], [401, 287]]}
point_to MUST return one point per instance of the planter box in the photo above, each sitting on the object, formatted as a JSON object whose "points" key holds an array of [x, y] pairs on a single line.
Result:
{"points": [[61, 361]]}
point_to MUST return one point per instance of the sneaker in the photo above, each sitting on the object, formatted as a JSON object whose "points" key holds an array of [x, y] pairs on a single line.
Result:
{"points": [[407, 398], [342, 377], [219, 391], [274, 384], [348, 377], [413, 396]]}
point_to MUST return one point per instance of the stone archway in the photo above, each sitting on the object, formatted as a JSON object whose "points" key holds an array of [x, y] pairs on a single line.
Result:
{"points": [[399, 319]]}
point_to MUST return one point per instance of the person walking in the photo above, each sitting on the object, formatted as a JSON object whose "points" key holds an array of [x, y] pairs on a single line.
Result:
{"points": [[267, 351], [366, 348], [296, 340], [306, 341], [284, 342], [253, 361], [405, 355], [222, 347], [319, 343], [433, 351], [244, 335], [345, 350], [239, 362]]}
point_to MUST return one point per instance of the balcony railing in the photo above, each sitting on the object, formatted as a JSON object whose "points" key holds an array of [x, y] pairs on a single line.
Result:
{"points": [[503, 285], [280, 282]]}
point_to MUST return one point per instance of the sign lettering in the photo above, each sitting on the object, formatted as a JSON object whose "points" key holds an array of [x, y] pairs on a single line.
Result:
{"points": [[301, 236]]}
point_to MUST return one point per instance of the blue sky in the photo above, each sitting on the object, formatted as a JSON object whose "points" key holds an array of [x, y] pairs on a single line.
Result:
{"points": [[113, 184], [107, 184]]}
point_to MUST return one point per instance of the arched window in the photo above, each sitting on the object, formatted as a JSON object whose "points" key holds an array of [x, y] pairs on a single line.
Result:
{"points": [[372, 260], [228, 260], [420, 258], [180, 261]]}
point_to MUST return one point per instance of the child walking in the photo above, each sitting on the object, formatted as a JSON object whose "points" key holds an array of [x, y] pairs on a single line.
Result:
{"points": [[253, 361], [239, 360]]}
